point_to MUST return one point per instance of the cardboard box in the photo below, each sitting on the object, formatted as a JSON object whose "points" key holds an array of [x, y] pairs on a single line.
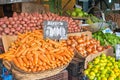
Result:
{"points": [[87, 33], [7, 40], [89, 58]]}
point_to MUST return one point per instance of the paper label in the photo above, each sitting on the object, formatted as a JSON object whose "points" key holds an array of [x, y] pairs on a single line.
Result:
{"points": [[117, 34], [117, 52], [107, 30]]}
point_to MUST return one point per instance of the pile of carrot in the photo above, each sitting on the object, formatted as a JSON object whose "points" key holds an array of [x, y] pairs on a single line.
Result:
{"points": [[31, 53]]}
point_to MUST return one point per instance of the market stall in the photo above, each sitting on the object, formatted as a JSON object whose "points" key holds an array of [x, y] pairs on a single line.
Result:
{"points": [[59, 42]]}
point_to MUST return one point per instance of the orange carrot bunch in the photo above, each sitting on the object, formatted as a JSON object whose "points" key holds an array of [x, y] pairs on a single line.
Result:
{"points": [[31, 53]]}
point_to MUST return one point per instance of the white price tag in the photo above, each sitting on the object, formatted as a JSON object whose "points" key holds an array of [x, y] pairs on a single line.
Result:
{"points": [[117, 34], [107, 30], [55, 30], [117, 51]]}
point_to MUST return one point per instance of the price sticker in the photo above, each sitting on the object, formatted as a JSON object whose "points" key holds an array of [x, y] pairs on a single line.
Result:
{"points": [[55, 30], [117, 51], [107, 30], [117, 34]]}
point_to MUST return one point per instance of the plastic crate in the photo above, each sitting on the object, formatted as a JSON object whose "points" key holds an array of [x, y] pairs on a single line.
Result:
{"points": [[61, 76], [82, 77], [76, 67], [73, 78]]}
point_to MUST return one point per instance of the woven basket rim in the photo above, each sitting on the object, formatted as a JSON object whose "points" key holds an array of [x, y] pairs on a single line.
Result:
{"points": [[13, 66]]}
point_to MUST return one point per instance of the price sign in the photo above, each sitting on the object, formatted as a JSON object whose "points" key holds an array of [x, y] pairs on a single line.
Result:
{"points": [[107, 30], [117, 51], [55, 30]]}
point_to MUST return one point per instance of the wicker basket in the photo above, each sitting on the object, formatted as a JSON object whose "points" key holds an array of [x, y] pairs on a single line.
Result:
{"points": [[20, 75]]}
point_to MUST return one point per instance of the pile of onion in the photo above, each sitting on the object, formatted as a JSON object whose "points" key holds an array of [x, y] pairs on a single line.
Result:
{"points": [[27, 22], [84, 45]]}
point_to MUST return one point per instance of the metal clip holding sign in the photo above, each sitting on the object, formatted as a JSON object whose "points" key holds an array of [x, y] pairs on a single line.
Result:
{"points": [[55, 30], [117, 51]]}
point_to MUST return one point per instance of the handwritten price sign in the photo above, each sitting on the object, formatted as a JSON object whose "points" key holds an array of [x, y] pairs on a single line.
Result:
{"points": [[55, 30]]}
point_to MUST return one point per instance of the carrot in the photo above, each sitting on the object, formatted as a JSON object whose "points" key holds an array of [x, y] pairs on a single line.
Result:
{"points": [[29, 70], [24, 39], [69, 52], [39, 62], [42, 50], [52, 57], [35, 57], [25, 51], [26, 61], [58, 65], [59, 62], [55, 50], [34, 69], [44, 64], [16, 62], [39, 68], [46, 67], [9, 57], [66, 59], [48, 56], [18, 49], [20, 52], [29, 57], [68, 56], [24, 68], [53, 42], [59, 57], [20, 61], [42, 68], [2, 56], [41, 57]]}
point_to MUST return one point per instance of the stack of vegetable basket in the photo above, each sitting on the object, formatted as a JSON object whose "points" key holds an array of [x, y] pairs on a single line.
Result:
{"points": [[86, 49], [30, 57]]}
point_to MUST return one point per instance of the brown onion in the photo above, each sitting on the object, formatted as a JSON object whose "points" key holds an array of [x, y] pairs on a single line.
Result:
{"points": [[3, 25], [7, 30], [12, 30], [99, 48]]}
